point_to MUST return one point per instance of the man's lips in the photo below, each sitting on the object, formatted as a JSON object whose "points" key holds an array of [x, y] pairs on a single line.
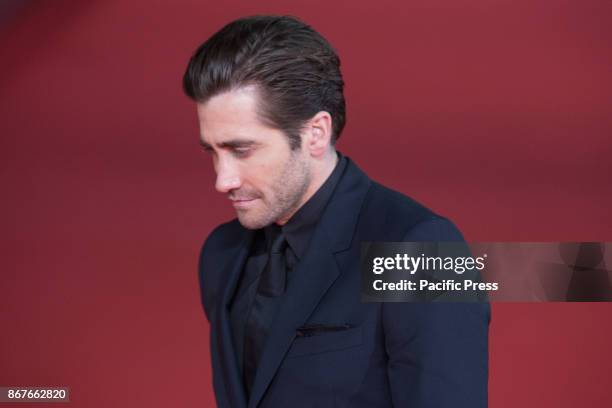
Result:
{"points": [[243, 202]]}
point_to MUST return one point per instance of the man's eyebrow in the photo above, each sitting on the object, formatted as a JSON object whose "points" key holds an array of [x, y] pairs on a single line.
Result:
{"points": [[231, 144]]}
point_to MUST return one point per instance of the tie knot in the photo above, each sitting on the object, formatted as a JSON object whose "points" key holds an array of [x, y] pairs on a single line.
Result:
{"points": [[276, 240]]}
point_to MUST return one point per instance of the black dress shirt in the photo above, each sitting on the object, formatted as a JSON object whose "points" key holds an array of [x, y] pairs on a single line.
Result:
{"points": [[298, 231]]}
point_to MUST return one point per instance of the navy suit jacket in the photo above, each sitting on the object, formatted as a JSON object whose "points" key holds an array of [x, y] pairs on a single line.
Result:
{"points": [[390, 354]]}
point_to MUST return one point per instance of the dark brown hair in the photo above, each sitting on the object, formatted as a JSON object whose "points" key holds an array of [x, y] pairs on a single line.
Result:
{"points": [[295, 70]]}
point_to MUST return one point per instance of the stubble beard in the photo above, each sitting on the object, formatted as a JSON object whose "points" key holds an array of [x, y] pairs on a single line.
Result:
{"points": [[288, 190]]}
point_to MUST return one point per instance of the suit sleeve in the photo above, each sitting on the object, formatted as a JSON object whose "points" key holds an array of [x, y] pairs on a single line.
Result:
{"points": [[437, 352]]}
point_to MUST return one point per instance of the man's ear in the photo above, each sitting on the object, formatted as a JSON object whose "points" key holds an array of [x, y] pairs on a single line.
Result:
{"points": [[317, 134]]}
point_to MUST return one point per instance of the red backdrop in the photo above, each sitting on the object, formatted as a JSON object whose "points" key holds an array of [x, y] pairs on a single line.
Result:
{"points": [[495, 114]]}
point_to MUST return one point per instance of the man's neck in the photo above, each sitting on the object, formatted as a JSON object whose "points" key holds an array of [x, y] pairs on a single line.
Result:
{"points": [[319, 177]]}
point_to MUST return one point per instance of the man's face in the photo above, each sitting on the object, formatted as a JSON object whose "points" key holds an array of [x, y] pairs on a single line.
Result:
{"points": [[255, 166]]}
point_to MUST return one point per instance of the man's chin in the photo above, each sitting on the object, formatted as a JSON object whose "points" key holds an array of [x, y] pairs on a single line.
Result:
{"points": [[251, 221]]}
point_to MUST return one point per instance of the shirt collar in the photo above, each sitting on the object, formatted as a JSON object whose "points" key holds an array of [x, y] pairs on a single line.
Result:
{"points": [[301, 225]]}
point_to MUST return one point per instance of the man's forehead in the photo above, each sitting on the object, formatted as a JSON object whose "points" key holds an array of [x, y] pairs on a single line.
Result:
{"points": [[229, 112], [230, 119]]}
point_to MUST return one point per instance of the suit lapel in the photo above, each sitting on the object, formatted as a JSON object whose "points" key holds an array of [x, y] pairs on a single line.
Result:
{"points": [[314, 274], [223, 342]]}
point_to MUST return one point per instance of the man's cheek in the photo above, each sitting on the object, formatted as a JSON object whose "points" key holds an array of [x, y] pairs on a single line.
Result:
{"points": [[261, 203]]}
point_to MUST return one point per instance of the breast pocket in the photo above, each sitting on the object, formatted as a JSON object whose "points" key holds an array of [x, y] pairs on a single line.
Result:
{"points": [[326, 341]]}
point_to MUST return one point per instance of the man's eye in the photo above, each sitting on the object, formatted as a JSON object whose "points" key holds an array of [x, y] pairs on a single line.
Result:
{"points": [[241, 151]]}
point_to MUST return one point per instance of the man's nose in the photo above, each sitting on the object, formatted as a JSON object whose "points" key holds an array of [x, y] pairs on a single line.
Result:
{"points": [[228, 178]]}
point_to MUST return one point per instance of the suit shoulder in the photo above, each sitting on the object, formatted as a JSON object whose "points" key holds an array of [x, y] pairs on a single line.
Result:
{"points": [[223, 236], [403, 218], [397, 205]]}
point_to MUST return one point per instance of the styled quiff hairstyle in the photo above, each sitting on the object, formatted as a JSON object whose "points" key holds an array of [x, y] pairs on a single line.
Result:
{"points": [[294, 69]]}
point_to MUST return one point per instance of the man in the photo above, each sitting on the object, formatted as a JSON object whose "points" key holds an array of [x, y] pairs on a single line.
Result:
{"points": [[280, 285]]}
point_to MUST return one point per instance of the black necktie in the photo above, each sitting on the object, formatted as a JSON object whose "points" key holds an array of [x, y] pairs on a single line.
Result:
{"points": [[271, 286]]}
